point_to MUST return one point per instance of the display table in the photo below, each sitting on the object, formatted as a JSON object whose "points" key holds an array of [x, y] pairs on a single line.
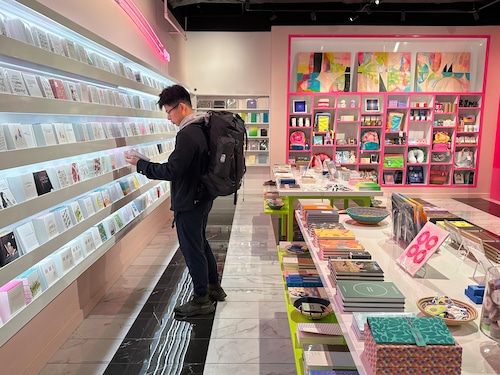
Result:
{"points": [[322, 189], [445, 274]]}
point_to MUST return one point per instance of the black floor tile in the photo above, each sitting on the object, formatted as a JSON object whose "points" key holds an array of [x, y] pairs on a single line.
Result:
{"points": [[157, 342], [482, 204]]}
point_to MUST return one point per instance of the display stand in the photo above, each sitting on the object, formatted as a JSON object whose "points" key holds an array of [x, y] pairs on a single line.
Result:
{"points": [[450, 276]]}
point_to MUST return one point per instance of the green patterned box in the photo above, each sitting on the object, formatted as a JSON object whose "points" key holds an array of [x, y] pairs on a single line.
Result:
{"points": [[389, 352]]}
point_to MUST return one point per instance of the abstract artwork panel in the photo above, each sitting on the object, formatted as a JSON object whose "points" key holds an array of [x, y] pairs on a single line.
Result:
{"points": [[443, 72], [384, 71], [323, 72]]}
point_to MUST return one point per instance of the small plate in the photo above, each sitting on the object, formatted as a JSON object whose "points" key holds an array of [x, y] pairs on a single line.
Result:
{"points": [[426, 308], [297, 249]]}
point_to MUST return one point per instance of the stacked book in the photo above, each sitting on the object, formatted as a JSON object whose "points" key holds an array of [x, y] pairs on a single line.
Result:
{"points": [[355, 269], [298, 262], [319, 333], [303, 279], [370, 295], [312, 204], [300, 271], [331, 234], [311, 227], [320, 359], [360, 318], [338, 248], [296, 292], [321, 216]]}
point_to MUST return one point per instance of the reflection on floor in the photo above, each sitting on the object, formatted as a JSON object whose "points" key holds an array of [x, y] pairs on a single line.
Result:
{"points": [[132, 330], [482, 204]]}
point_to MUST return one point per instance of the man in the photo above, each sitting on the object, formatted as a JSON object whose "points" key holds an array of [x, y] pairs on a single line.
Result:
{"points": [[190, 202]]}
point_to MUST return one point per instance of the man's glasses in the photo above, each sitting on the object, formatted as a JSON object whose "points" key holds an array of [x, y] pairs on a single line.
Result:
{"points": [[171, 109]]}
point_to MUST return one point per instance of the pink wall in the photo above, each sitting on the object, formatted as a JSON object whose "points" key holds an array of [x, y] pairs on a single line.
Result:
{"points": [[279, 84], [495, 175]]}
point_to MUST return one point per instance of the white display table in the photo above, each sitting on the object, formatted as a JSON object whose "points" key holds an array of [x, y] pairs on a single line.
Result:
{"points": [[445, 274], [323, 188]]}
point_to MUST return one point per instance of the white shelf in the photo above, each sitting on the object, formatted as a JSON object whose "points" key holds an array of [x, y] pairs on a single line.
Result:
{"points": [[43, 202], [11, 270], [16, 158], [13, 325], [21, 104], [235, 110], [28, 109], [37, 58], [446, 274]]}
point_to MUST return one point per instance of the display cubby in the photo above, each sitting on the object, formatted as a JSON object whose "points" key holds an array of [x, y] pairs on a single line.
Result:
{"points": [[254, 110], [400, 139], [107, 106]]}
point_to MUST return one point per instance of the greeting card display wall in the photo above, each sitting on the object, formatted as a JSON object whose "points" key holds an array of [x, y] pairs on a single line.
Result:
{"points": [[254, 110], [69, 109], [429, 139]]}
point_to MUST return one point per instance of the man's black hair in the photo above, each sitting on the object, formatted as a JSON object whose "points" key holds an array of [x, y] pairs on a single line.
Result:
{"points": [[174, 95]]}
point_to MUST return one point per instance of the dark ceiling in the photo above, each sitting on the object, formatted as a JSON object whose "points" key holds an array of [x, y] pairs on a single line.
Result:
{"points": [[261, 15]]}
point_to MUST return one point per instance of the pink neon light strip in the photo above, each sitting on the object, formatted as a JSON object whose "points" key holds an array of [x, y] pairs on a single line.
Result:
{"points": [[142, 23]]}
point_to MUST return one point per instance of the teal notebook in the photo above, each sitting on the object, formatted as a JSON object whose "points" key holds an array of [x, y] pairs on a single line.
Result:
{"points": [[369, 291], [420, 331]]}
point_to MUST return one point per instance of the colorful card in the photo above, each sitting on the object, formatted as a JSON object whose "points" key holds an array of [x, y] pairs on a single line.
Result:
{"points": [[421, 248]]}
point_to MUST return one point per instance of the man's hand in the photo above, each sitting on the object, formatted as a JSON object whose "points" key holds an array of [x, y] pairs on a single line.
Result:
{"points": [[130, 158]]}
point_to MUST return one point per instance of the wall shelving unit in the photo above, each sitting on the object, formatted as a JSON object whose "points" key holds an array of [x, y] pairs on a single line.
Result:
{"points": [[254, 110], [420, 117], [129, 90], [404, 118]]}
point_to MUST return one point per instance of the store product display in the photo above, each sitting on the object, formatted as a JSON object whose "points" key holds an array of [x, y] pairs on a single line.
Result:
{"points": [[367, 215], [453, 312], [313, 308]]}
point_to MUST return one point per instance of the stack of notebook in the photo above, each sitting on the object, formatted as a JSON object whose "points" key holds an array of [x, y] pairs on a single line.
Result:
{"points": [[360, 318], [338, 248], [355, 269], [331, 234], [381, 296], [321, 216], [300, 271]]}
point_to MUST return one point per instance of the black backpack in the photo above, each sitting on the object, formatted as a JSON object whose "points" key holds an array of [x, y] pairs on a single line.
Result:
{"points": [[226, 138]]}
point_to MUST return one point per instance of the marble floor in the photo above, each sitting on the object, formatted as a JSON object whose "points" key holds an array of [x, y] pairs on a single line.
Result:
{"points": [[132, 330]]}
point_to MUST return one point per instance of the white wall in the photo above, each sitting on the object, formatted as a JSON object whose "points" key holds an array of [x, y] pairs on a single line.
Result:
{"points": [[106, 19], [225, 63]]}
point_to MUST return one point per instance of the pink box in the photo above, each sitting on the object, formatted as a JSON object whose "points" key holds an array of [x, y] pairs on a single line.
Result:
{"points": [[388, 359]]}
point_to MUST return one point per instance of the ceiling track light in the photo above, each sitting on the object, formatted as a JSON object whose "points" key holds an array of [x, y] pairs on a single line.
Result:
{"points": [[403, 16], [368, 10], [353, 17], [377, 2], [273, 17], [476, 15], [313, 16]]}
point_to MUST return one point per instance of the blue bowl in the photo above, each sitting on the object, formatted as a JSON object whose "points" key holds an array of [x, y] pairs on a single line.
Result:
{"points": [[367, 215]]}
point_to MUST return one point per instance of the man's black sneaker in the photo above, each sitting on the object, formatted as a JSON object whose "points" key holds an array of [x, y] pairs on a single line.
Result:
{"points": [[216, 292], [197, 306]]}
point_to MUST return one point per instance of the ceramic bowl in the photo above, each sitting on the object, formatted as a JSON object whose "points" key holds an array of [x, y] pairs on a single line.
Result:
{"points": [[425, 306], [367, 215], [324, 305], [275, 204]]}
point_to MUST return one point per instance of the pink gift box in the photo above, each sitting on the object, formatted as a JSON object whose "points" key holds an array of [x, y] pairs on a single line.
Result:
{"points": [[400, 359]]}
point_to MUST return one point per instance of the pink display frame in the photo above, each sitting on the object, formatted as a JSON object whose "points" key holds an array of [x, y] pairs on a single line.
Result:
{"points": [[416, 126]]}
